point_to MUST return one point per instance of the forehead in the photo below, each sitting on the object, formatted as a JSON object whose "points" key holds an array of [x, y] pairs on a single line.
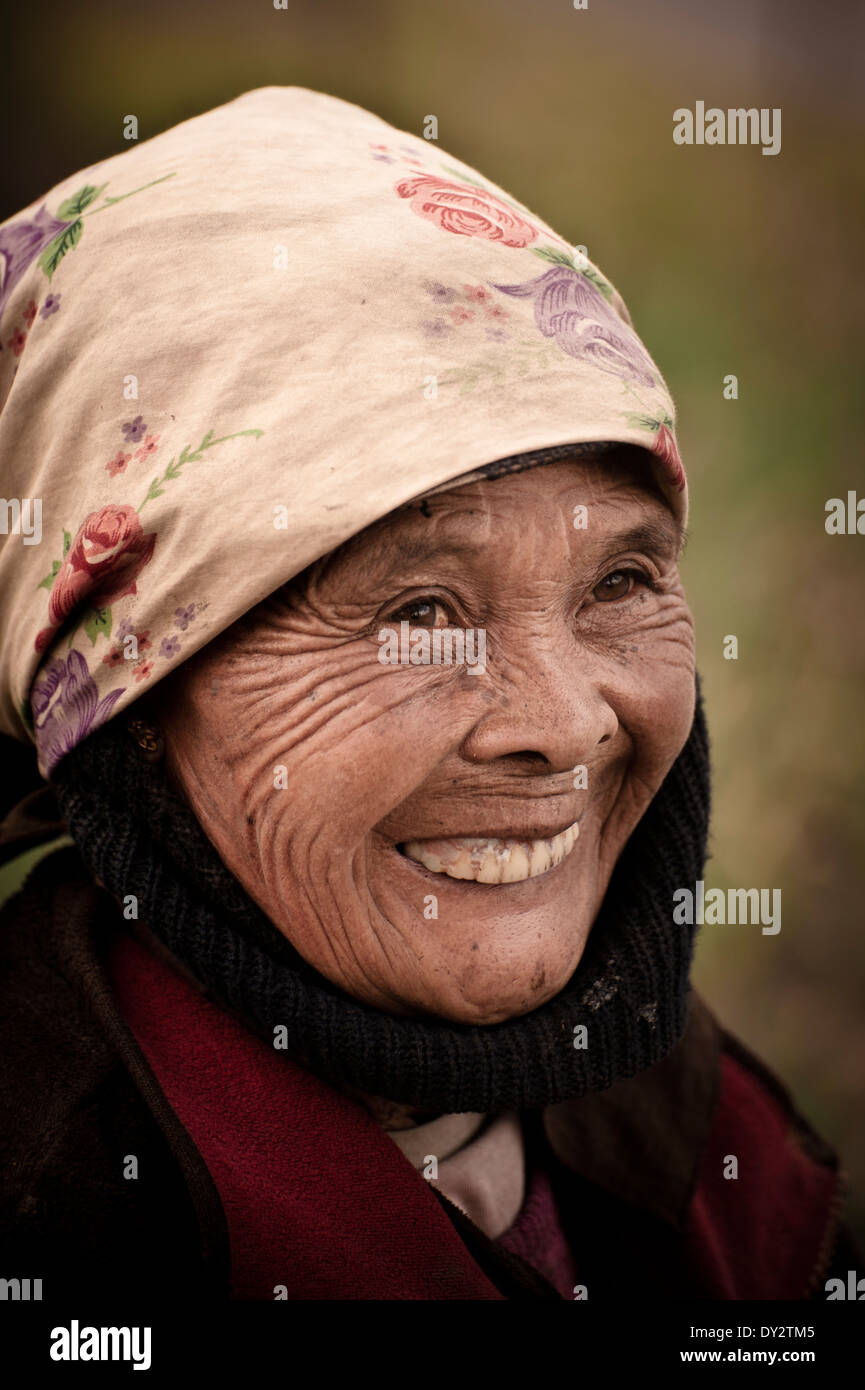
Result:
{"points": [[622, 471], [618, 491]]}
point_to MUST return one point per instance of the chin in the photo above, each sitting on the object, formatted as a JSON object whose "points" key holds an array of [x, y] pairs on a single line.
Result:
{"points": [[483, 1007]]}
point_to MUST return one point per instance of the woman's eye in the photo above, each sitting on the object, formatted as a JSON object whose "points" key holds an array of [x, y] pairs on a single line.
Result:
{"points": [[423, 613], [618, 585]]}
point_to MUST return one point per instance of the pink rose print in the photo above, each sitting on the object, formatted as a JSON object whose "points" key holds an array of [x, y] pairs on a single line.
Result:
{"points": [[30, 314], [666, 449], [142, 670], [466, 210], [17, 341], [103, 562]]}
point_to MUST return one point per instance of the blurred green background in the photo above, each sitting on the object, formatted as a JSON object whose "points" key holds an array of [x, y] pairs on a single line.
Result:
{"points": [[730, 262]]}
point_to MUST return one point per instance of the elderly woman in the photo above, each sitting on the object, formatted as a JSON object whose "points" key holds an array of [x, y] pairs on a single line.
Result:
{"points": [[360, 671]]}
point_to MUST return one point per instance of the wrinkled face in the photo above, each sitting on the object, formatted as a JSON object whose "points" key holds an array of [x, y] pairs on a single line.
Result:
{"points": [[437, 839]]}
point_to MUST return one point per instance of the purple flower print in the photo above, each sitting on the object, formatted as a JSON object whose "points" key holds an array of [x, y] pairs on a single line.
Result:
{"points": [[124, 628], [383, 153], [66, 707], [169, 646], [613, 353], [21, 243], [569, 308], [134, 430], [441, 294], [435, 328], [183, 617], [51, 305]]}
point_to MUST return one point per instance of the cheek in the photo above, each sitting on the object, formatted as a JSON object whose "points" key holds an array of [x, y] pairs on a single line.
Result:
{"points": [[305, 753], [658, 700]]}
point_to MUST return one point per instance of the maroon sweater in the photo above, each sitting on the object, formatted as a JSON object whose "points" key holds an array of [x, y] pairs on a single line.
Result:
{"points": [[321, 1204]]}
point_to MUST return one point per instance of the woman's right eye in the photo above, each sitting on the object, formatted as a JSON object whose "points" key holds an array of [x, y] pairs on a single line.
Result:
{"points": [[422, 612]]}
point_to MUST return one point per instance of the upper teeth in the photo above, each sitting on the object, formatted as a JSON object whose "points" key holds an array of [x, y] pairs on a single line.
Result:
{"points": [[493, 861]]}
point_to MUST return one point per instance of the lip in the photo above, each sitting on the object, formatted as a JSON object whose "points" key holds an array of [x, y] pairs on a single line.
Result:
{"points": [[532, 832]]}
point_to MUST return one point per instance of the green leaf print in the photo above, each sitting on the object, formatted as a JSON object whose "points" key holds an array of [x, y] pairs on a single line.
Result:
{"points": [[48, 581], [550, 253], [74, 206], [599, 282], [642, 422], [98, 621], [56, 249], [190, 455]]}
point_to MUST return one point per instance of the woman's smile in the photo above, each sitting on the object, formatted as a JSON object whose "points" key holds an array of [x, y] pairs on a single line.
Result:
{"points": [[492, 860]]}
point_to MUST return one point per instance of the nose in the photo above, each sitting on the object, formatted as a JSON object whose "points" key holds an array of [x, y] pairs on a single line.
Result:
{"points": [[548, 709]]}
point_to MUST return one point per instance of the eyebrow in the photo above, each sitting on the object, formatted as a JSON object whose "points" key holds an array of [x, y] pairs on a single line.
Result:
{"points": [[665, 538]]}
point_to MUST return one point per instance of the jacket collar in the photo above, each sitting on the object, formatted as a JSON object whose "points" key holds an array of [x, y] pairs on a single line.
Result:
{"points": [[641, 1139], [34, 820]]}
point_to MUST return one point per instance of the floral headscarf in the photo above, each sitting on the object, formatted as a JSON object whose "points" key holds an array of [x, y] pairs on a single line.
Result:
{"points": [[228, 349]]}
